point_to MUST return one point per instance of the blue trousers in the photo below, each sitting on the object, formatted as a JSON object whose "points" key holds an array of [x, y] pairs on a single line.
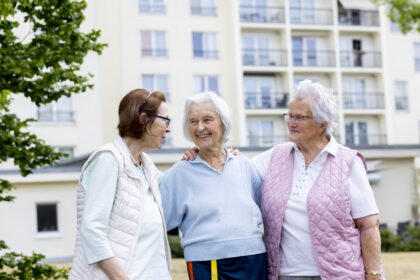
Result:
{"points": [[253, 267]]}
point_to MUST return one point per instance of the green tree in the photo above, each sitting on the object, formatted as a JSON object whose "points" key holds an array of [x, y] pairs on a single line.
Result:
{"points": [[406, 13], [43, 66]]}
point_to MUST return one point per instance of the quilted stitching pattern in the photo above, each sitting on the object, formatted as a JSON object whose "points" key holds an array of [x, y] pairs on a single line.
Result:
{"points": [[335, 239]]}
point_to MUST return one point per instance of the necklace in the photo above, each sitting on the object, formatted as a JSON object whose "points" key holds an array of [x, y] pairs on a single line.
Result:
{"points": [[135, 162]]}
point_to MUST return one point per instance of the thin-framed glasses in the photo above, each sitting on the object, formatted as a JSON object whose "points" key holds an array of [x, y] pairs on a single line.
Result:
{"points": [[167, 120], [296, 117]]}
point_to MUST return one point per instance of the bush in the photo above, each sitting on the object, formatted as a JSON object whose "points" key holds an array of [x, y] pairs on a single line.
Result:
{"points": [[408, 241], [14, 266], [175, 244]]}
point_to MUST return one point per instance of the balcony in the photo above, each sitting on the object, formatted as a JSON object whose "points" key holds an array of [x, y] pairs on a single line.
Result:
{"points": [[206, 54], [311, 16], [367, 59], [264, 57], [203, 11], [266, 140], [145, 8], [154, 52], [55, 116], [313, 58], [358, 17], [363, 100], [365, 139], [262, 14], [401, 103], [269, 100]]}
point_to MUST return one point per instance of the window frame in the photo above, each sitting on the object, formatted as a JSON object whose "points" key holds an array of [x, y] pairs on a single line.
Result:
{"points": [[154, 51], [47, 234], [54, 111]]}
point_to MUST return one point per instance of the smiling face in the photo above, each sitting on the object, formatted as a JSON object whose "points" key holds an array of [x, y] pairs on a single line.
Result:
{"points": [[307, 130], [205, 126], [155, 135]]}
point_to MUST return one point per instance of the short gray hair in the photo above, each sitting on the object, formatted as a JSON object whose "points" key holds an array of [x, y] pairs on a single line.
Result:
{"points": [[323, 105], [220, 106]]}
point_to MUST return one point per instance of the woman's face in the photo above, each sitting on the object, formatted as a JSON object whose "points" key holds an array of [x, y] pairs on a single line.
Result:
{"points": [[205, 126], [307, 129], [155, 135]]}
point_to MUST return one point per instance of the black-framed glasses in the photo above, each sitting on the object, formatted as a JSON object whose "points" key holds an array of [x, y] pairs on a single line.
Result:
{"points": [[296, 117], [167, 120]]}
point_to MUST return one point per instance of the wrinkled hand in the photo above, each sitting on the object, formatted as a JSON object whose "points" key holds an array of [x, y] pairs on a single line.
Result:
{"points": [[190, 153]]}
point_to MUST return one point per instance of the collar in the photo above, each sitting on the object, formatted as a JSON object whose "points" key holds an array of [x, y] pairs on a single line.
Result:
{"points": [[330, 148], [198, 159]]}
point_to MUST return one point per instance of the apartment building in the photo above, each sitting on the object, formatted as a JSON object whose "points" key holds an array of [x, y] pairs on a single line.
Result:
{"points": [[252, 53]]}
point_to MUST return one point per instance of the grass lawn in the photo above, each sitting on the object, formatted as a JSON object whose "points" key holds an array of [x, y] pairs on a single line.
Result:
{"points": [[398, 266]]}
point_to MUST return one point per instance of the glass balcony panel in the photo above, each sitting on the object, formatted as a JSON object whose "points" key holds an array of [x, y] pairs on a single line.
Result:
{"points": [[262, 14], [256, 140], [313, 58], [311, 16], [358, 17], [371, 59], [270, 100], [363, 100], [264, 57]]}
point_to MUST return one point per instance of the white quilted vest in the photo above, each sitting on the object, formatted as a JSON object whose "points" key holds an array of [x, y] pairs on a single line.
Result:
{"points": [[127, 212]]}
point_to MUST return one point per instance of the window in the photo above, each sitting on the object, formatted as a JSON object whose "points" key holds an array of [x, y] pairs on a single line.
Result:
{"points": [[417, 56], [400, 95], [359, 137], [156, 82], [205, 45], [260, 132], [47, 220], [153, 44], [259, 92], [66, 150], [151, 7], [206, 83], [203, 7], [57, 111], [394, 27]]}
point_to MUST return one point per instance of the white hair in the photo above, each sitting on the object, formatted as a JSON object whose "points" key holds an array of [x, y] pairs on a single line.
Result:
{"points": [[220, 106], [323, 105]]}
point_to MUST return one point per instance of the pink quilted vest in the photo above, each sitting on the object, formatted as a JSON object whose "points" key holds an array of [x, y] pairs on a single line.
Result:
{"points": [[335, 239]]}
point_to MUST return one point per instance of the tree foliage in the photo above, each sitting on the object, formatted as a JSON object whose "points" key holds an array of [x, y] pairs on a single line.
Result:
{"points": [[406, 13], [43, 65]]}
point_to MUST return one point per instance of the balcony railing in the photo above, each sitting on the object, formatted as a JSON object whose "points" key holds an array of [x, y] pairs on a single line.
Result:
{"points": [[206, 53], [262, 14], [361, 59], [365, 139], [311, 16], [358, 17], [363, 100], [270, 100], [151, 9], [55, 116], [266, 140], [204, 11], [313, 58], [401, 103], [154, 52], [264, 57]]}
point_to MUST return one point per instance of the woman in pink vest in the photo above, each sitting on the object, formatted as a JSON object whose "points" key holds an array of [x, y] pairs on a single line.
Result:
{"points": [[320, 216]]}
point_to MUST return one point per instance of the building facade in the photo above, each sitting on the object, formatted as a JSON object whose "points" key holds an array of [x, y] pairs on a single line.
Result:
{"points": [[252, 53]]}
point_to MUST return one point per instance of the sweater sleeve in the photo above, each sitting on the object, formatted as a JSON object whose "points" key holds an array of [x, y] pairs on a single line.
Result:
{"points": [[256, 183], [100, 183], [171, 199]]}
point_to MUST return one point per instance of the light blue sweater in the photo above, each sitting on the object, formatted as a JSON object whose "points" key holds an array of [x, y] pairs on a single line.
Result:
{"points": [[217, 213]]}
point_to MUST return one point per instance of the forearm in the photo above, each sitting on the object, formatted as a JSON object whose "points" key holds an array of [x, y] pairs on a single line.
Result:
{"points": [[371, 246], [112, 269]]}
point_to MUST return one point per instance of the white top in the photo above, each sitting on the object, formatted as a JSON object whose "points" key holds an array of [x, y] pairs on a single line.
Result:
{"points": [[100, 180], [296, 253]]}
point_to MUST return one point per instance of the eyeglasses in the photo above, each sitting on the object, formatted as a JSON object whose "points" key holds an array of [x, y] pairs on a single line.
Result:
{"points": [[167, 120], [297, 118]]}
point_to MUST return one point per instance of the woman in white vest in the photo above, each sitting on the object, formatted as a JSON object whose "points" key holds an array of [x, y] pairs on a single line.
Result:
{"points": [[121, 232]]}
